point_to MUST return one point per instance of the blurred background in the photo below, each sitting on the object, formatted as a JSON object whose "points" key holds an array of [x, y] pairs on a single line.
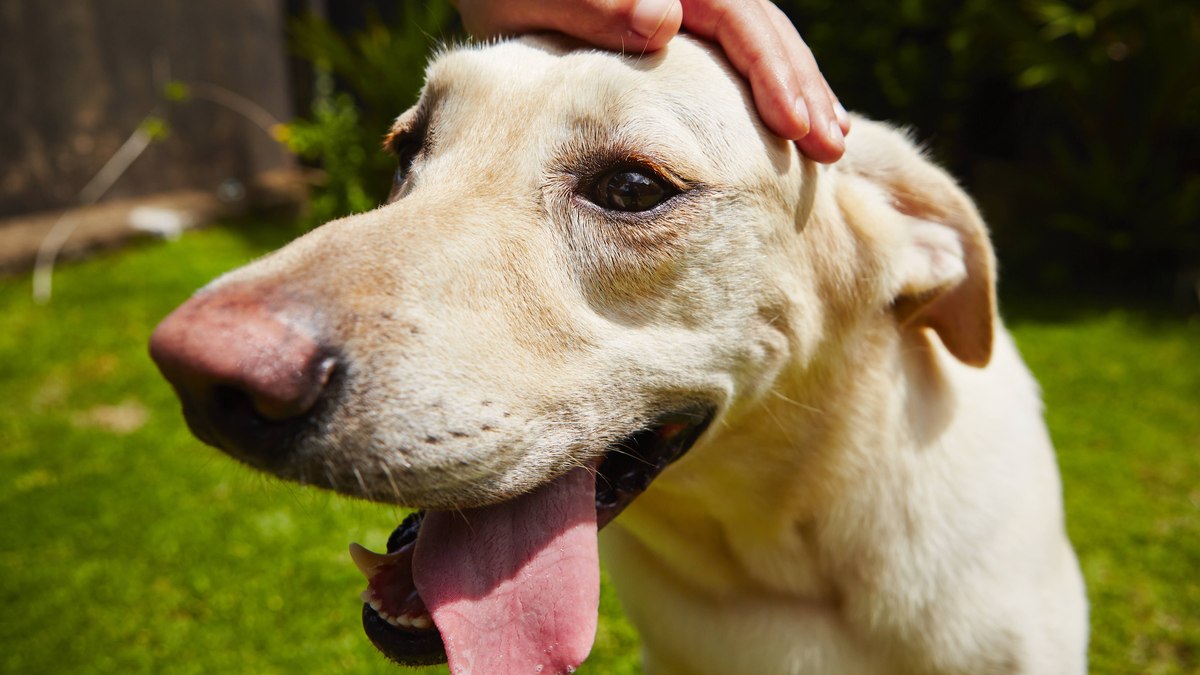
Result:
{"points": [[146, 147]]}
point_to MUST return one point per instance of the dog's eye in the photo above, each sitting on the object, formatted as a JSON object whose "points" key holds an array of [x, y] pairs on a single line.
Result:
{"points": [[632, 190], [405, 154]]}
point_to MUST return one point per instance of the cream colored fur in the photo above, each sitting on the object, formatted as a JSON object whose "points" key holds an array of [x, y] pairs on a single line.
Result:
{"points": [[878, 493]]}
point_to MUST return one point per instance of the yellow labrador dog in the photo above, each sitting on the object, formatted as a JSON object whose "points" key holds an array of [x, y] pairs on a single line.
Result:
{"points": [[598, 271]]}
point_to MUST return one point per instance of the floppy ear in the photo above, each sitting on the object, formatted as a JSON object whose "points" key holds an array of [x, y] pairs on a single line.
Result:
{"points": [[947, 283], [944, 268]]}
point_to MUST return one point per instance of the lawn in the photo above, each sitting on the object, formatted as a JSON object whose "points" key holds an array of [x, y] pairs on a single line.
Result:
{"points": [[128, 547]]}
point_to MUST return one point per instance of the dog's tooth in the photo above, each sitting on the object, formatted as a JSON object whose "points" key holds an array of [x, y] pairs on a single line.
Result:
{"points": [[375, 604], [404, 620], [367, 561], [392, 620], [366, 596], [423, 622]]}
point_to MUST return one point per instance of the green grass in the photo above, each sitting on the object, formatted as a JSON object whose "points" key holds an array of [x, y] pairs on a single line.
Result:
{"points": [[127, 547], [1122, 393]]}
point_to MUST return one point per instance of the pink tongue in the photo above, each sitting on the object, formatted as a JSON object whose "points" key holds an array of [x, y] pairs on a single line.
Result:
{"points": [[514, 588]]}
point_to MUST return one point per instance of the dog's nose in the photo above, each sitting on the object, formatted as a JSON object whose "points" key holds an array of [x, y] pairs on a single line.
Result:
{"points": [[246, 375]]}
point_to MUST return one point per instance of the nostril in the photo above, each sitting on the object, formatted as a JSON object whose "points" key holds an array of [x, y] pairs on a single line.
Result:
{"points": [[235, 416], [276, 397], [272, 394], [232, 403], [252, 421]]}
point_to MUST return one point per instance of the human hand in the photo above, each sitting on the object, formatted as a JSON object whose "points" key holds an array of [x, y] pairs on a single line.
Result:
{"points": [[789, 91]]}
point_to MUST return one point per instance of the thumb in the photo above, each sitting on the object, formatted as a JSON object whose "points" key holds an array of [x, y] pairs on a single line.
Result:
{"points": [[628, 25]]}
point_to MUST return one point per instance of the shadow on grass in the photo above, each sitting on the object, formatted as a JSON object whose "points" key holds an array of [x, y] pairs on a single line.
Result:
{"points": [[1024, 306]]}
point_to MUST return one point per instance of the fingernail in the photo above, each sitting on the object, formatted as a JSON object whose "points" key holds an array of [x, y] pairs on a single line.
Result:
{"points": [[843, 117], [836, 137], [648, 16], [802, 117]]}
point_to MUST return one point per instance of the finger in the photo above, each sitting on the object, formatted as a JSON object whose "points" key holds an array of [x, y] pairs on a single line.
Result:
{"points": [[626, 25], [843, 117], [749, 37], [789, 91], [826, 140], [805, 66]]}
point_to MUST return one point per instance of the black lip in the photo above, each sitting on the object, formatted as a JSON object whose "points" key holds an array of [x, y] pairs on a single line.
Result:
{"points": [[626, 471], [405, 647], [629, 468]]}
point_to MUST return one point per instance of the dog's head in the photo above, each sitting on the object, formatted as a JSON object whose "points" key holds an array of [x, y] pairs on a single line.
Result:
{"points": [[585, 256]]}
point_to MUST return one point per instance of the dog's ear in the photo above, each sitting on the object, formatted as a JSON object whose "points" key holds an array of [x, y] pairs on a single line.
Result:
{"points": [[944, 268], [947, 277]]}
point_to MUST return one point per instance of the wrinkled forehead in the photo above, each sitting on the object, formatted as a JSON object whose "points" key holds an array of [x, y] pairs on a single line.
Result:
{"points": [[684, 99]]}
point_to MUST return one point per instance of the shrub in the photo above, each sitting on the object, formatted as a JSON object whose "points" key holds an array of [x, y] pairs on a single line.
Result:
{"points": [[362, 82], [1076, 124]]}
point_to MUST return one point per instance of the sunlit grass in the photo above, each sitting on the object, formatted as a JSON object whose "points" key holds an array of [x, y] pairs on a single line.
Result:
{"points": [[127, 547], [1122, 392]]}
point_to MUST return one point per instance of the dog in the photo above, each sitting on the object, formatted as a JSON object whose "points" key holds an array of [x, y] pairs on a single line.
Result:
{"points": [[600, 286]]}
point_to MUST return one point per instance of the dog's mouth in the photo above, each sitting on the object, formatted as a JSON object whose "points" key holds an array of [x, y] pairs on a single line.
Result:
{"points": [[395, 615]]}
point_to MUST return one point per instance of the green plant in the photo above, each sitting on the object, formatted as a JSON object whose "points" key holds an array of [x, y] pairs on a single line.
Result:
{"points": [[336, 138], [1076, 124], [363, 81]]}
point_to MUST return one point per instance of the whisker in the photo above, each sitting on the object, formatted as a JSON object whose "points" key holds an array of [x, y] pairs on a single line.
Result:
{"points": [[391, 480], [467, 521], [786, 429], [330, 474], [798, 404], [362, 484]]}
